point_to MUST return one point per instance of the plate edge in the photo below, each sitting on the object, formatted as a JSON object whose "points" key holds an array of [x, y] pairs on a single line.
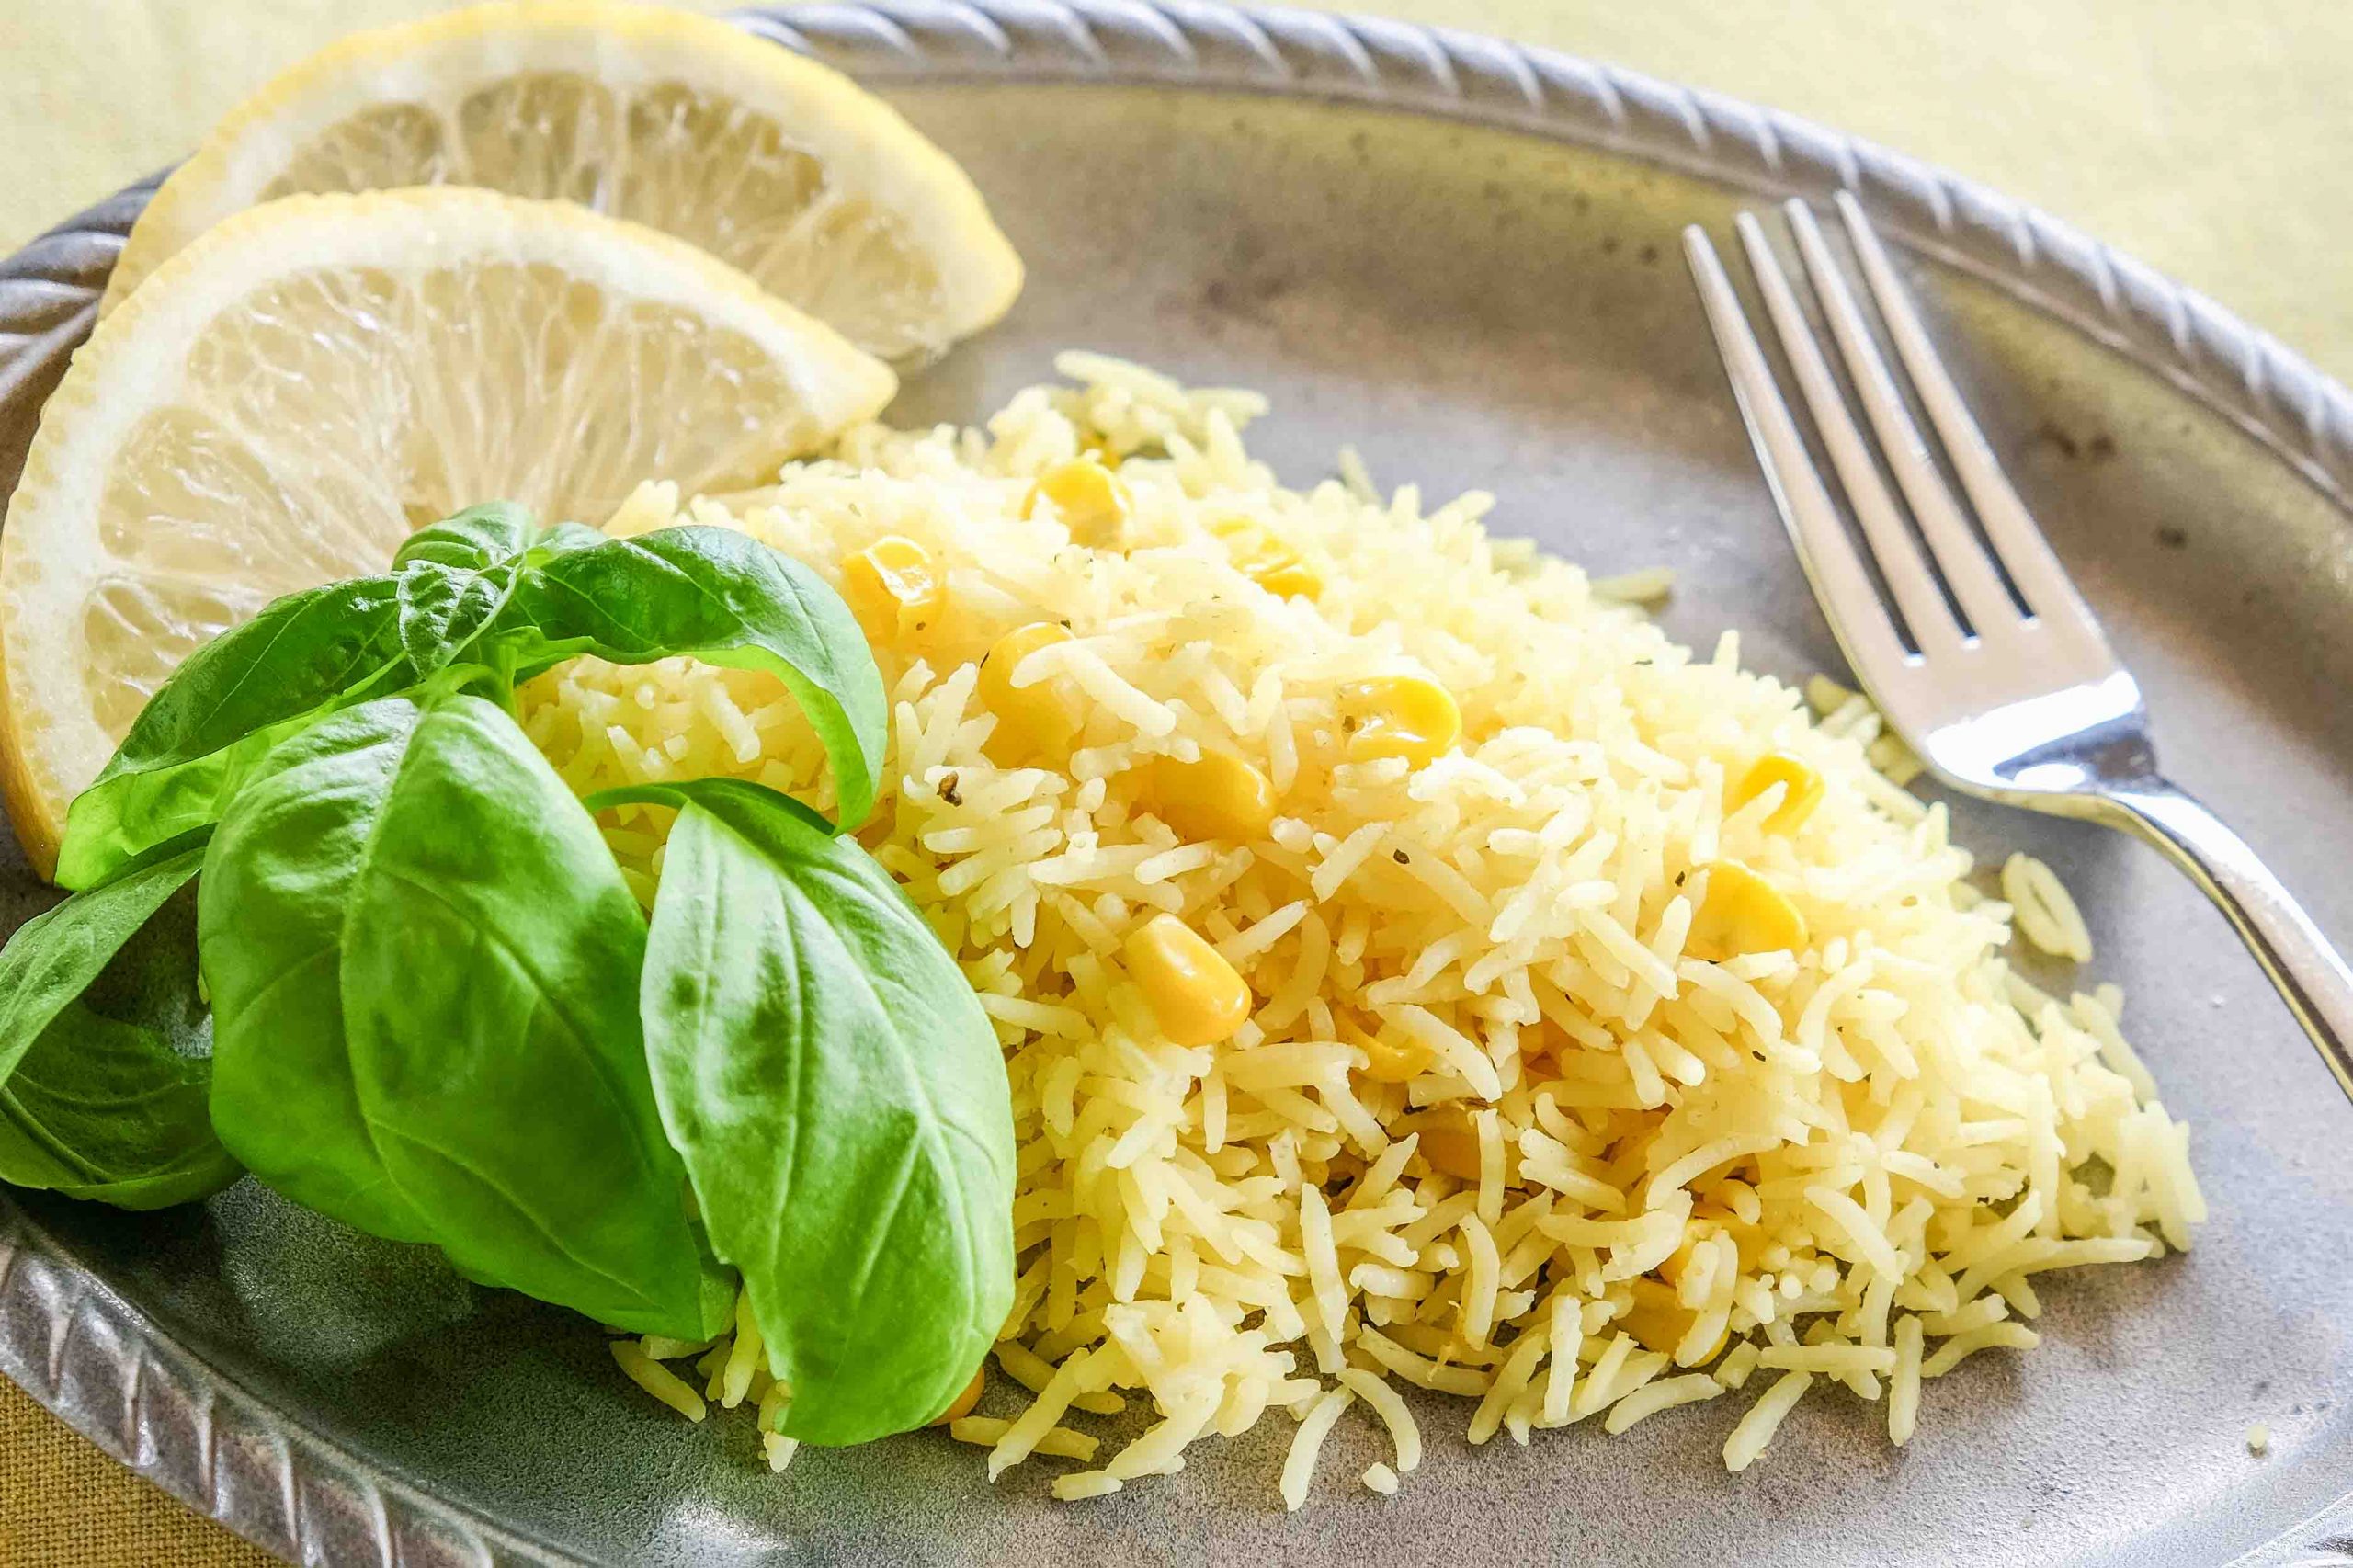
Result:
{"points": [[97, 1363], [2267, 389]]}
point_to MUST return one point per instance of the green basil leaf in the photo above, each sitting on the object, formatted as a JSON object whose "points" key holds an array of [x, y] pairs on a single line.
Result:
{"points": [[91, 1105], [489, 535], [440, 610], [723, 598], [424, 965], [472, 541], [54, 957], [270, 930], [220, 712], [107, 1110], [841, 1103]]}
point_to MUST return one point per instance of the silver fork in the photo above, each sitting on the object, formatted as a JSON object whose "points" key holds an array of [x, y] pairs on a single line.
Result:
{"points": [[2027, 707]]}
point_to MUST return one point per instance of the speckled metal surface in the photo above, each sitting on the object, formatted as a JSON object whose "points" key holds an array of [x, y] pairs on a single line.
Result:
{"points": [[1487, 297]]}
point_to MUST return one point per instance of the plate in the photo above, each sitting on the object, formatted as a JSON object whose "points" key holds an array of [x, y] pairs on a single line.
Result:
{"points": [[1460, 256]]}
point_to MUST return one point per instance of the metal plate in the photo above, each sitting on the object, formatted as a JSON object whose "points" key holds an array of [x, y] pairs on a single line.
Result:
{"points": [[1461, 257]]}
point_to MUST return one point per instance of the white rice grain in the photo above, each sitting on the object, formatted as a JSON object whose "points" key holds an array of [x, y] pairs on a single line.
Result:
{"points": [[1299, 1463], [1756, 1428]]}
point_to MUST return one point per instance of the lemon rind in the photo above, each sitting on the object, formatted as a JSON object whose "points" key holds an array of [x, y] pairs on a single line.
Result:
{"points": [[869, 145]]}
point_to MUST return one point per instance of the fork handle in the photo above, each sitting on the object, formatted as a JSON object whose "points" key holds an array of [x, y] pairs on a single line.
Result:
{"points": [[2312, 978]]}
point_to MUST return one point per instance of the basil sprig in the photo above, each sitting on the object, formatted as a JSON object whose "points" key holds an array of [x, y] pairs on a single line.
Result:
{"points": [[489, 593], [439, 1017]]}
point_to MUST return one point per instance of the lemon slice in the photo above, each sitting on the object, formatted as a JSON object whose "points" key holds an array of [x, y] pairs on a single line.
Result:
{"points": [[286, 399], [770, 161]]}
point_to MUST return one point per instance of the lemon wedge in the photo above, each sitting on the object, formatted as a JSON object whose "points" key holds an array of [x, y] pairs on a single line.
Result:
{"points": [[772, 163], [286, 399]]}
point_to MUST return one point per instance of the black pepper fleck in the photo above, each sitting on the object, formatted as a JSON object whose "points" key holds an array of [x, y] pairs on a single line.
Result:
{"points": [[1401, 857], [948, 790]]}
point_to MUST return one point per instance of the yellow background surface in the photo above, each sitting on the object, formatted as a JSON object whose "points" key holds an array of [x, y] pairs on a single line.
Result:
{"points": [[2208, 140]]}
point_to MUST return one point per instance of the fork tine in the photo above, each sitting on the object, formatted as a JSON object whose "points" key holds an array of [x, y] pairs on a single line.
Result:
{"points": [[2024, 553], [1857, 617], [1983, 598], [1900, 562]]}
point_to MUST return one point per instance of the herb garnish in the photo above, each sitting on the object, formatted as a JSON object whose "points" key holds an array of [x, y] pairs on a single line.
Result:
{"points": [[439, 1017]]}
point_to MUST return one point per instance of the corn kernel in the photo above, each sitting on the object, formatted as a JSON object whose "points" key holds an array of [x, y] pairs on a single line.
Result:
{"points": [[1801, 793], [963, 1402], [1658, 1320], [1389, 1060], [1266, 559], [1399, 716], [1033, 720], [1289, 579], [1743, 913], [1221, 796], [1194, 994], [1088, 497], [892, 587], [1449, 1141]]}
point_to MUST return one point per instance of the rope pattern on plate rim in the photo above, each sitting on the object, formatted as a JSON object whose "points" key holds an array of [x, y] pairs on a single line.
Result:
{"points": [[2249, 377], [100, 1365]]}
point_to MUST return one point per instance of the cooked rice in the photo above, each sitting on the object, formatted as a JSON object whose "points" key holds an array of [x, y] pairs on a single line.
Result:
{"points": [[657, 1379], [1852, 1151], [1299, 1464], [1060, 1441], [2044, 910]]}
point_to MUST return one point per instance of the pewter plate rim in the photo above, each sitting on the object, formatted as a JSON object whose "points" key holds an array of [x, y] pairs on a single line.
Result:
{"points": [[98, 1363]]}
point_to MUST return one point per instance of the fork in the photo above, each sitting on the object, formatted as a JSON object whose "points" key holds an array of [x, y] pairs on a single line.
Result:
{"points": [[1998, 676]]}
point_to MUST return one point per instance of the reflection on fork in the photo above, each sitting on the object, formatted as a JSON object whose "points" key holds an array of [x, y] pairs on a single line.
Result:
{"points": [[1978, 649]]}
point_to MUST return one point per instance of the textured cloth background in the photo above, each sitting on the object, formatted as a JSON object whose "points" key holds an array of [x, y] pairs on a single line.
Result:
{"points": [[2206, 139]]}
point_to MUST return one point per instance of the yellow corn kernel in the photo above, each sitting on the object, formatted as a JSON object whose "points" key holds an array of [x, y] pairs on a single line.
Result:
{"points": [[1291, 578], [1801, 793], [893, 586], [1449, 1141], [1389, 1061], [1032, 720], [1743, 913], [1266, 559], [1088, 497], [1221, 796], [1658, 1320], [1194, 994], [962, 1406], [1399, 716]]}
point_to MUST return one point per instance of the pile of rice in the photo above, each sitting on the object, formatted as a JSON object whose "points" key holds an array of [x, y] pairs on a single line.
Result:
{"points": [[1858, 1157]]}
